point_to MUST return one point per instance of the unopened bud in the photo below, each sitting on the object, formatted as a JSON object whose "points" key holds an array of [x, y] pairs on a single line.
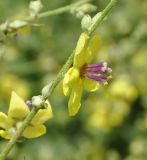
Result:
{"points": [[45, 91], [79, 14], [97, 16], [35, 7], [37, 101], [10, 27], [12, 131], [86, 22], [80, 11], [17, 24], [88, 8]]}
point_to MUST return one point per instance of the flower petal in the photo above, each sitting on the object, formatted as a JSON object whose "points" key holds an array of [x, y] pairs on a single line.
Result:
{"points": [[5, 122], [79, 59], [69, 80], [43, 115], [90, 85], [93, 47], [4, 134], [75, 97], [18, 109], [34, 131]]}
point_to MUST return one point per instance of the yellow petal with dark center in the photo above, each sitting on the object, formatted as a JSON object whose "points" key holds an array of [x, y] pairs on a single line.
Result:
{"points": [[90, 85], [4, 134], [18, 109], [43, 115], [5, 122], [75, 98], [34, 131], [69, 80], [92, 49], [79, 59]]}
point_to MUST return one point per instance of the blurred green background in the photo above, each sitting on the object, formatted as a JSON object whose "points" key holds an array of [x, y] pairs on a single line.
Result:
{"points": [[112, 122]]}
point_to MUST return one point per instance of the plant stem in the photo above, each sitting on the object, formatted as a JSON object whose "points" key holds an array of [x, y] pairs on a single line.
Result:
{"points": [[105, 12], [51, 86], [5, 28], [58, 11], [14, 139], [54, 83]]}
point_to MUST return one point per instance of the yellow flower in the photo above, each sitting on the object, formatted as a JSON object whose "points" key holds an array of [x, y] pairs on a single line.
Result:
{"points": [[10, 82], [17, 112], [82, 75]]}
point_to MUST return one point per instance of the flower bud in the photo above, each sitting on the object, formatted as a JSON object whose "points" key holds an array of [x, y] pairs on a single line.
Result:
{"points": [[97, 16], [10, 27], [45, 91], [80, 11], [12, 131], [86, 22], [37, 101], [88, 8], [35, 7], [17, 24]]}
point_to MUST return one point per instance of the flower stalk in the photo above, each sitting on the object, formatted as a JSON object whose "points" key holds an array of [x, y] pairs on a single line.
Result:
{"points": [[10, 27], [47, 90], [14, 139], [58, 11], [103, 15]]}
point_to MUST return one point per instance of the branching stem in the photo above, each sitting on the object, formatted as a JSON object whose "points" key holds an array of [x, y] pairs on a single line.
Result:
{"points": [[60, 75], [58, 11]]}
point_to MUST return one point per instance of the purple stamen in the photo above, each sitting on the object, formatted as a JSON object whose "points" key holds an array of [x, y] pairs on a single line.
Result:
{"points": [[97, 68], [98, 79], [98, 65], [97, 72]]}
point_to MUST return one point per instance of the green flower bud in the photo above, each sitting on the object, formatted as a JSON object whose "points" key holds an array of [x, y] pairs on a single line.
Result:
{"points": [[86, 22], [35, 7], [45, 91], [12, 131], [10, 27], [95, 18], [80, 11], [17, 24], [88, 8]]}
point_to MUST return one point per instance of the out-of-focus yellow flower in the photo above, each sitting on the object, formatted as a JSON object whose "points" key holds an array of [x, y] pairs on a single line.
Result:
{"points": [[139, 60], [11, 82], [17, 112], [82, 75], [106, 114], [123, 88]]}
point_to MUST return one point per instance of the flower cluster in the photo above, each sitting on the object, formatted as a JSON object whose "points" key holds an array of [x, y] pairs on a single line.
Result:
{"points": [[82, 75]]}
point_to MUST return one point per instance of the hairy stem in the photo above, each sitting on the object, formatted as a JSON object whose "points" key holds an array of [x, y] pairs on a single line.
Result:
{"points": [[7, 28], [50, 88], [105, 12], [58, 11], [14, 139]]}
